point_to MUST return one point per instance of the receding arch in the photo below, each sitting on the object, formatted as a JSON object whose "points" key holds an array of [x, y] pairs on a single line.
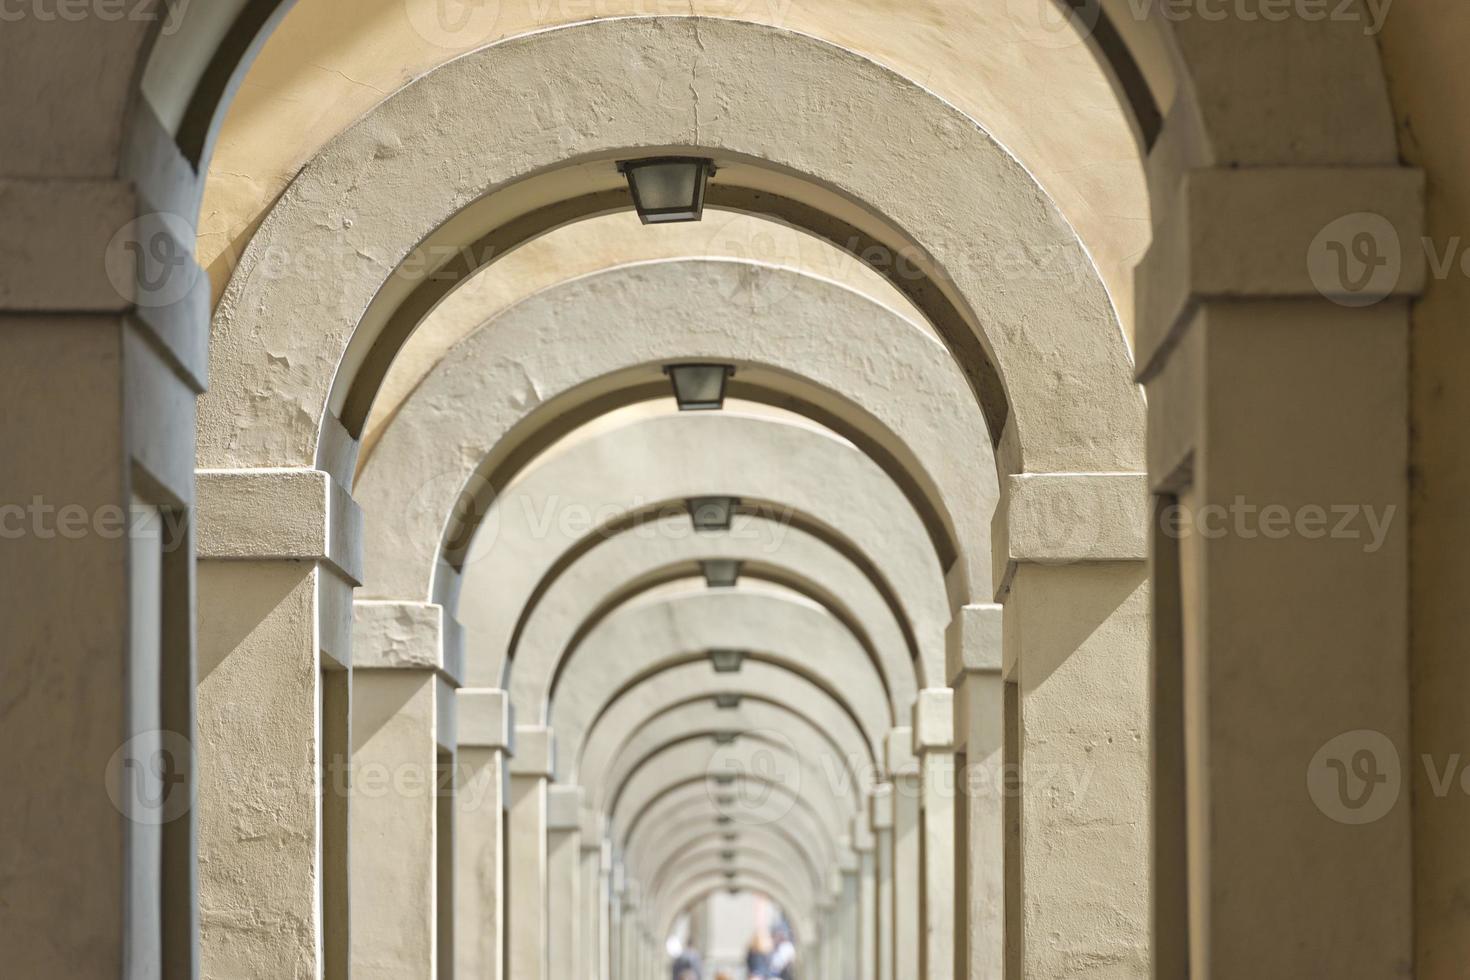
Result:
{"points": [[800, 560], [691, 716], [694, 680], [773, 728], [669, 458], [685, 817], [689, 576], [768, 781], [690, 597], [698, 830], [592, 342], [1091, 423], [648, 637], [765, 801], [716, 855]]}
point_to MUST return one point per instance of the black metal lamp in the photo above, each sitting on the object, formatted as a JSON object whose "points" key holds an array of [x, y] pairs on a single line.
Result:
{"points": [[720, 573], [727, 661], [712, 513], [699, 387], [667, 189]]}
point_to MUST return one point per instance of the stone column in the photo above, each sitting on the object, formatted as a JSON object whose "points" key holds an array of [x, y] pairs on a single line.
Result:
{"points": [[850, 930], [101, 362], [908, 789], [1268, 292], [608, 896], [881, 816], [973, 659], [403, 771], [618, 888], [526, 881], [628, 945], [590, 897], [564, 878], [824, 943], [485, 732], [866, 939], [934, 746], [837, 931], [279, 556], [1076, 641]]}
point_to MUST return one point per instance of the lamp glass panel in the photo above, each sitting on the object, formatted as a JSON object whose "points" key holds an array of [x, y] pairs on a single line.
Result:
{"points": [[721, 573], [727, 661], [699, 385], [711, 513], [668, 185]]}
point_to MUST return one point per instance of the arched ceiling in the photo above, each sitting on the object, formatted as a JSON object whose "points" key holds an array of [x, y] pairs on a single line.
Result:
{"points": [[1041, 94], [596, 244]]}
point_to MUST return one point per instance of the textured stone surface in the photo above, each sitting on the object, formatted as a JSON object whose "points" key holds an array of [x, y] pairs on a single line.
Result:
{"points": [[788, 333], [563, 502], [363, 204]]}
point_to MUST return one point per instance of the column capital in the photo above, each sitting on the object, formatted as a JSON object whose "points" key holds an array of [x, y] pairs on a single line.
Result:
{"points": [[862, 834], [278, 514], [933, 721], [594, 829], [974, 642], [1069, 518], [1258, 232], [898, 753], [618, 875], [880, 805], [50, 222], [388, 635], [486, 719], [535, 752], [563, 807]]}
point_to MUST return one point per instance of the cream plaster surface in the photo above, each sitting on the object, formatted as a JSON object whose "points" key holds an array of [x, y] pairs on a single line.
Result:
{"points": [[1423, 54], [991, 242], [772, 713], [762, 767], [695, 680], [660, 462], [1039, 93], [605, 242], [769, 802], [801, 637], [791, 335]]}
